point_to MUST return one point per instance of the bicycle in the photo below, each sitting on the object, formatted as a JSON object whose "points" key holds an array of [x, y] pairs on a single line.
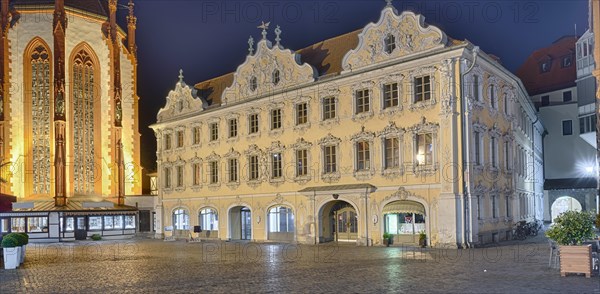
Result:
{"points": [[520, 231]]}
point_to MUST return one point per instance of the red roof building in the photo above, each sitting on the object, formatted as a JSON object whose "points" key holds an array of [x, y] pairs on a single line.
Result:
{"points": [[551, 68]]}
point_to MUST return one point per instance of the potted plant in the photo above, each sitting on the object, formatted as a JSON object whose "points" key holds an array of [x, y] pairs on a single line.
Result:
{"points": [[10, 248], [387, 240], [422, 239], [569, 230]]}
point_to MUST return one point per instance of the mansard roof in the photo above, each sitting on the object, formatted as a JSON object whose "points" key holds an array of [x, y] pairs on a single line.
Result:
{"points": [[93, 6], [346, 52]]}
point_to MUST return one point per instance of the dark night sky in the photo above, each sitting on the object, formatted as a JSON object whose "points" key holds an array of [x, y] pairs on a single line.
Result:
{"points": [[209, 38]]}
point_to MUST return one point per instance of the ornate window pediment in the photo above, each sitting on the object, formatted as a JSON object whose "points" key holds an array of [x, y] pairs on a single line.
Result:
{"points": [[301, 144], [425, 147], [180, 101], [422, 82], [363, 154], [329, 140], [474, 89], [392, 37], [270, 69]]}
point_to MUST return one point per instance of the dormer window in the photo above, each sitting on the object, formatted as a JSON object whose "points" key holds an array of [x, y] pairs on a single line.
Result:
{"points": [[567, 61], [253, 84], [390, 43], [276, 77], [545, 66]]}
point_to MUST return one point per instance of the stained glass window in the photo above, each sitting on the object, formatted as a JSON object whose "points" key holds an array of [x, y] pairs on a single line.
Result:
{"points": [[40, 122], [83, 124]]}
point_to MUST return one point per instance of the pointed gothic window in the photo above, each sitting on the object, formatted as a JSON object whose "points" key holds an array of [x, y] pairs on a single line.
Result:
{"points": [[84, 91], [40, 119], [390, 43]]}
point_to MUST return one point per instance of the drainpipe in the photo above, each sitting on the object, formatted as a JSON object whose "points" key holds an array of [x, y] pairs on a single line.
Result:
{"points": [[465, 132], [315, 218], [537, 118], [366, 215]]}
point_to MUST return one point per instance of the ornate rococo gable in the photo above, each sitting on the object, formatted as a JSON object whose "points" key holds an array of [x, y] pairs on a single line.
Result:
{"points": [[180, 101], [408, 31], [256, 75]]}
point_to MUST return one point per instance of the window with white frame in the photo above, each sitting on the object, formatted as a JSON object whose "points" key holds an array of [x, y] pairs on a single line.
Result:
{"points": [[233, 170], [253, 168], [167, 140], [493, 97], [208, 219], [301, 113], [214, 131], [196, 175], [494, 151], [301, 162], [362, 101], [329, 108], [181, 219], [214, 172], [507, 155], [276, 165], [253, 123], [330, 160], [391, 96], [179, 176], [281, 220], [196, 135], [506, 104], [424, 149], [276, 119], [422, 88], [233, 127], [391, 153], [167, 174], [363, 156], [180, 137]]}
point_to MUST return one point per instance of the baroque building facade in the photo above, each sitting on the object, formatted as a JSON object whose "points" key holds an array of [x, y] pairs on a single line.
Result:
{"points": [[68, 110], [393, 128]]}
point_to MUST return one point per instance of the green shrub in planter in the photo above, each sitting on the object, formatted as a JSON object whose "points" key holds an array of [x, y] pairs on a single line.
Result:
{"points": [[572, 228], [10, 242], [598, 221], [96, 237], [22, 238], [25, 237]]}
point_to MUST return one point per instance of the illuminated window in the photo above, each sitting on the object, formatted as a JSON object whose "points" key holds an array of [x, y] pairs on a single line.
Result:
{"points": [[392, 153], [181, 219], [84, 92], [208, 219], [301, 162], [276, 166], [424, 147]]}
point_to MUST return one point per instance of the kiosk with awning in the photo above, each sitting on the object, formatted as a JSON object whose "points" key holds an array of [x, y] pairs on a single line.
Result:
{"points": [[404, 219]]}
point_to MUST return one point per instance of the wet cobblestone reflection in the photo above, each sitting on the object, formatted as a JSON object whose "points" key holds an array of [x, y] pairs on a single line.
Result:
{"points": [[152, 266]]}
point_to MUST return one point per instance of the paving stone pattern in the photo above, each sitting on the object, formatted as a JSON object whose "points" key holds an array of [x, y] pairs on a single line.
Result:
{"points": [[154, 266]]}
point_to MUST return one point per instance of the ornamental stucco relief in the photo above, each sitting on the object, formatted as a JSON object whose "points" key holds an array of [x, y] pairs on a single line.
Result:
{"points": [[408, 31]]}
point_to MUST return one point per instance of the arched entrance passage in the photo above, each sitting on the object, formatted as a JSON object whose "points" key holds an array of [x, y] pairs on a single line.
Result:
{"points": [[404, 220], [338, 222], [240, 223], [281, 224], [562, 204]]}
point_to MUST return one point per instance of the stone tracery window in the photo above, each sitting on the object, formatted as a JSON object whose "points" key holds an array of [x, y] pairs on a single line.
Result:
{"points": [[84, 91], [40, 119]]}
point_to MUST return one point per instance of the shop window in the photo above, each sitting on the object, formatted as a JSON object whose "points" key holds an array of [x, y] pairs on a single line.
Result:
{"points": [[37, 224], [95, 223]]}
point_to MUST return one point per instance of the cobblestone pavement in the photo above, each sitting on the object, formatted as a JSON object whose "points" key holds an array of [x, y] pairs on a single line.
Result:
{"points": [[153, 266]]}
